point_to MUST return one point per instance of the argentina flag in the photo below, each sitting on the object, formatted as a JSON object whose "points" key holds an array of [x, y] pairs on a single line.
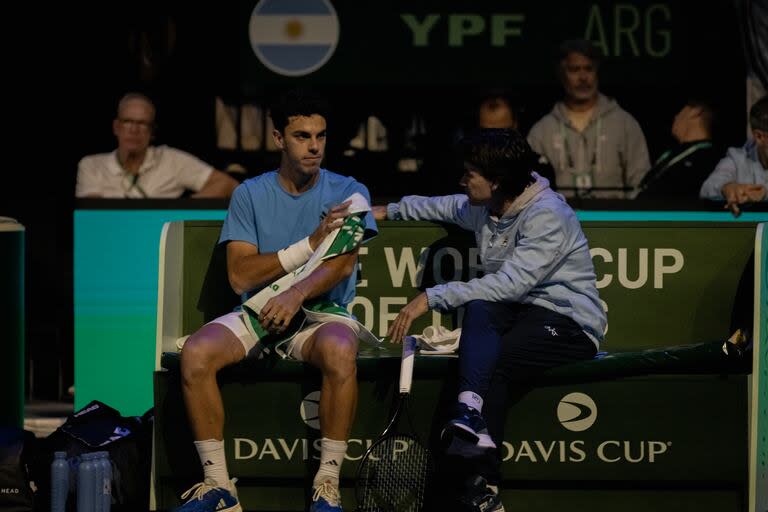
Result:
{"points": [[293, 37]]}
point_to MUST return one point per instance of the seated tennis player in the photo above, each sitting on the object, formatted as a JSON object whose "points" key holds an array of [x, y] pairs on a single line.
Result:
{"points": [[275, 224]]}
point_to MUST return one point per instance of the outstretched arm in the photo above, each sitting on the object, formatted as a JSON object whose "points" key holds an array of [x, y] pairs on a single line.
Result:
{"points": [[454, 209]]}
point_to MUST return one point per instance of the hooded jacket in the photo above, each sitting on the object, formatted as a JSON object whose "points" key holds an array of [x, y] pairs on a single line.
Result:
{"points": [[536, 253], [610, 152]]}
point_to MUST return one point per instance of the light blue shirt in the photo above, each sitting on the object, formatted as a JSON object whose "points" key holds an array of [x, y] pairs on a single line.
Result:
{"points": [[740, 165], [537, 256], [262, 213]]}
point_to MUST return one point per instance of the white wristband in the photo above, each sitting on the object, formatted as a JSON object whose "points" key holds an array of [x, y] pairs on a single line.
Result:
{"points": [[296, 255]]}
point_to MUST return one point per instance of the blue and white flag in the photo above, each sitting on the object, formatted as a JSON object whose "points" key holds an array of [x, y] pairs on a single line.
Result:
{"points": [[293, 37]]}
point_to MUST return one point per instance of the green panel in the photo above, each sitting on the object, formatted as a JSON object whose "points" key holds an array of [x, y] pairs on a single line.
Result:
{"points": [[592, 500], [650, 303], [652, 432], [636, 265], [115, 295], [645, 428]]}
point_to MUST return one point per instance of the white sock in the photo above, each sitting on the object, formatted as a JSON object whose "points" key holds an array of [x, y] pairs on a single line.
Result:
{"points": [[331, 457], [214, 462], [471, 399]]}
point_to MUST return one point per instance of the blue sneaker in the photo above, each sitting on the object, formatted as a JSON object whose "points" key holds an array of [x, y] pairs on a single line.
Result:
{"points": [[468, 425], [206, 497], [480, 497], [326, 499]]}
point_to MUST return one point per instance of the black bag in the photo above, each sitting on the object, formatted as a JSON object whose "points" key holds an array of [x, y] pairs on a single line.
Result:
{"points": [[16, 487], [98, 427]]}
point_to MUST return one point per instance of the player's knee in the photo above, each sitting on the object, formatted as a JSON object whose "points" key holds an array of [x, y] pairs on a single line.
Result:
{"points": [[338, 354], [197, 358]]}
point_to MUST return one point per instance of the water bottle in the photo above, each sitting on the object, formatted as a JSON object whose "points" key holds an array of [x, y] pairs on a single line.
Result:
{"points": [[105, 489], [98, 477], [59, 482], [86, 483]]}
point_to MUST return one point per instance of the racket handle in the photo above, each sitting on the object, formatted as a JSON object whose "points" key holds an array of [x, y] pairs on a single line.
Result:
{"points": [[406, 364]]}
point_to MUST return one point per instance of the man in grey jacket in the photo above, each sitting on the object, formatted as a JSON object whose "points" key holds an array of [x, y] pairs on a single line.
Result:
{"points": [[535, 307], [742, 176], [597, 148]]}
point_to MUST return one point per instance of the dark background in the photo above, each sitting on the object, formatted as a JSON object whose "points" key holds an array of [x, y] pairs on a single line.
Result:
{"points": [[68, 66]]}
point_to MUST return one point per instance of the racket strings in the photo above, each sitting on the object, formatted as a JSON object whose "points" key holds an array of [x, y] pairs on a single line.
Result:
{"points": [[395, 475]]}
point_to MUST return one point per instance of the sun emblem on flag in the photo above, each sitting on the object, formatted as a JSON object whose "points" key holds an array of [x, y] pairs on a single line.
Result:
{"points": [[294, 29]]}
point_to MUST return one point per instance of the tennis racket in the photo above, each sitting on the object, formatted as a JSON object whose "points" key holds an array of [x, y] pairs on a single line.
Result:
{"points": [[396, 469]]}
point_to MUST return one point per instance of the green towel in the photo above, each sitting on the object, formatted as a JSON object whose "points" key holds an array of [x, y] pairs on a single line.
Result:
{"points": [[343, 239]]}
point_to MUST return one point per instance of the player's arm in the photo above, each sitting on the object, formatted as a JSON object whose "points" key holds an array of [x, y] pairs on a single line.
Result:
{"points": [[249, 269]]}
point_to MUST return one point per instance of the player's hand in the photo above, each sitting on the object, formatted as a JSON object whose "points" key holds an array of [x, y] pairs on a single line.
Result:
{"points": [[332, 220], [379, 212], [413, 310], [739, 193], [278, 312]]}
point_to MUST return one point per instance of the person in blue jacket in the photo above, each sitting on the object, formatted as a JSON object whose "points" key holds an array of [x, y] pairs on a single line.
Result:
{"points": [[742, 175], [535, 307]]}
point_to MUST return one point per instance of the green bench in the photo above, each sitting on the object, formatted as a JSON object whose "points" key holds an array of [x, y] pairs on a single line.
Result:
{"points": [[657, 418]]}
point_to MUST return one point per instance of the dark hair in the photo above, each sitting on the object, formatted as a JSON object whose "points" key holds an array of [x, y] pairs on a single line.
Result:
{"points": [[501, 155], [758, 114], [581, 46], [708, 116], [297, 102], [493, 101]]}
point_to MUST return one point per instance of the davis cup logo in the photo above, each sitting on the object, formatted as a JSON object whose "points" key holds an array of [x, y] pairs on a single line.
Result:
{"points": [[293, 37], [310, 410], [576, 412]]}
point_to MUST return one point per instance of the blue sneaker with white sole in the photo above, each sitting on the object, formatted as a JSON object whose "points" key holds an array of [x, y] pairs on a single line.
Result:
{"points": [[206, 497], [468, 425], [326, 498]]}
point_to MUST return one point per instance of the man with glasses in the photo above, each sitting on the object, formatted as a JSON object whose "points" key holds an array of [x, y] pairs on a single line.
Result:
{"points": [[138, 170]]}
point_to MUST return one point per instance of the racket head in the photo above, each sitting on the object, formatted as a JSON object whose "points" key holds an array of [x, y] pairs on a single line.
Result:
{"points": [[393, 475]]}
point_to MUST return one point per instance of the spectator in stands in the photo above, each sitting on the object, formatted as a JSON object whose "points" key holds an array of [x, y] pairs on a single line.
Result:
{"points": [[597, 148], [680, 171], [138, 170], [496, 111], [536, 306], [742, 176], [274, 223]]}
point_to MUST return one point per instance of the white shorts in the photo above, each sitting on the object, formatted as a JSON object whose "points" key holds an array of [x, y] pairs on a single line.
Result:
{"points": [[234, 322]]}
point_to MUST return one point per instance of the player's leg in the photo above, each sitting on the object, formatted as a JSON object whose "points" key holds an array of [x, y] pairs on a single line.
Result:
{"points": [[538, 340], [332, 347], [217, 344], [482, 326]]}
